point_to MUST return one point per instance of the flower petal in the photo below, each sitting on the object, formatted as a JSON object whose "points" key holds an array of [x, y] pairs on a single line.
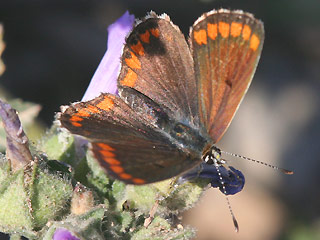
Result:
{"points": [[105, 77], [233, 179], [63, 234], [234, 183]]}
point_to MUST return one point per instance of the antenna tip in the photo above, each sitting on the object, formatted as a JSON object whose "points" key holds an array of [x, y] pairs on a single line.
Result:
{"points": [[235, 223], [288, 172]]}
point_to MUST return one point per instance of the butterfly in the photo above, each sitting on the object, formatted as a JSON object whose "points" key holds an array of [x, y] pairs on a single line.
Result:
{"points": [[176, 98]]}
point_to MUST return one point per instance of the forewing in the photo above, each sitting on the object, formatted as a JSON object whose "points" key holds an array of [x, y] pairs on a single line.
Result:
{"points": [[157, 62], [226, 47], [126, 142]]}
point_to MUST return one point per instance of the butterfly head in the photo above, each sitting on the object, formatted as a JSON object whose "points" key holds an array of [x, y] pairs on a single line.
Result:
{"points": [[213, 156]]}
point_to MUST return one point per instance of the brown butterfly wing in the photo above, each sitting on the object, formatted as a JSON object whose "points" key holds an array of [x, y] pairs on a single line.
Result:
{"points": [[226, 47], [127, 142], [157, 62]]}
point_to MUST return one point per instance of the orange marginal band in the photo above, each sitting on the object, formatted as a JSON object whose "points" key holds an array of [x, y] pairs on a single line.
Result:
{"points": [[115, 165]]}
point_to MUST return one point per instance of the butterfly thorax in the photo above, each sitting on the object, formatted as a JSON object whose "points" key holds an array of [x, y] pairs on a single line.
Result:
{"points": [[190, 139], [187, 138]]}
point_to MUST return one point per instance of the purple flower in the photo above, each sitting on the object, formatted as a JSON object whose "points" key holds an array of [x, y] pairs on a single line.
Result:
{"points": [[63, 234], [105, 77], [233, 179]]}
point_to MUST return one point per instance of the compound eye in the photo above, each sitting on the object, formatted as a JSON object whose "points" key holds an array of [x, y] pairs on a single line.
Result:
{"points": [[216, 155]]}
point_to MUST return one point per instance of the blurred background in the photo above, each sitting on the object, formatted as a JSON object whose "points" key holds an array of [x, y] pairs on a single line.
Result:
{"points": [[53, 49]]}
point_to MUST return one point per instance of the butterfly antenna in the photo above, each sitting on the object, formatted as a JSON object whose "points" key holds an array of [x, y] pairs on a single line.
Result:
{"points": [[285, 171], [235, 223]]}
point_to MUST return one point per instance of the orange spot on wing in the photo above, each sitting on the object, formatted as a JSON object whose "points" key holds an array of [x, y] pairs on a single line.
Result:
{"points": [[76, 124], [236, 29], [125, 176], [106, 153], [246, 32], [106, 104], [212, 30], [105, 146], [83, 113], [92, 109], [138, 181], [116, 169], [155, 32], [145, 37], [76, 118], [138, 48], [130, 78], [200, 36], [224, 29], [133, 62], [112, 161], [254, 42]]}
